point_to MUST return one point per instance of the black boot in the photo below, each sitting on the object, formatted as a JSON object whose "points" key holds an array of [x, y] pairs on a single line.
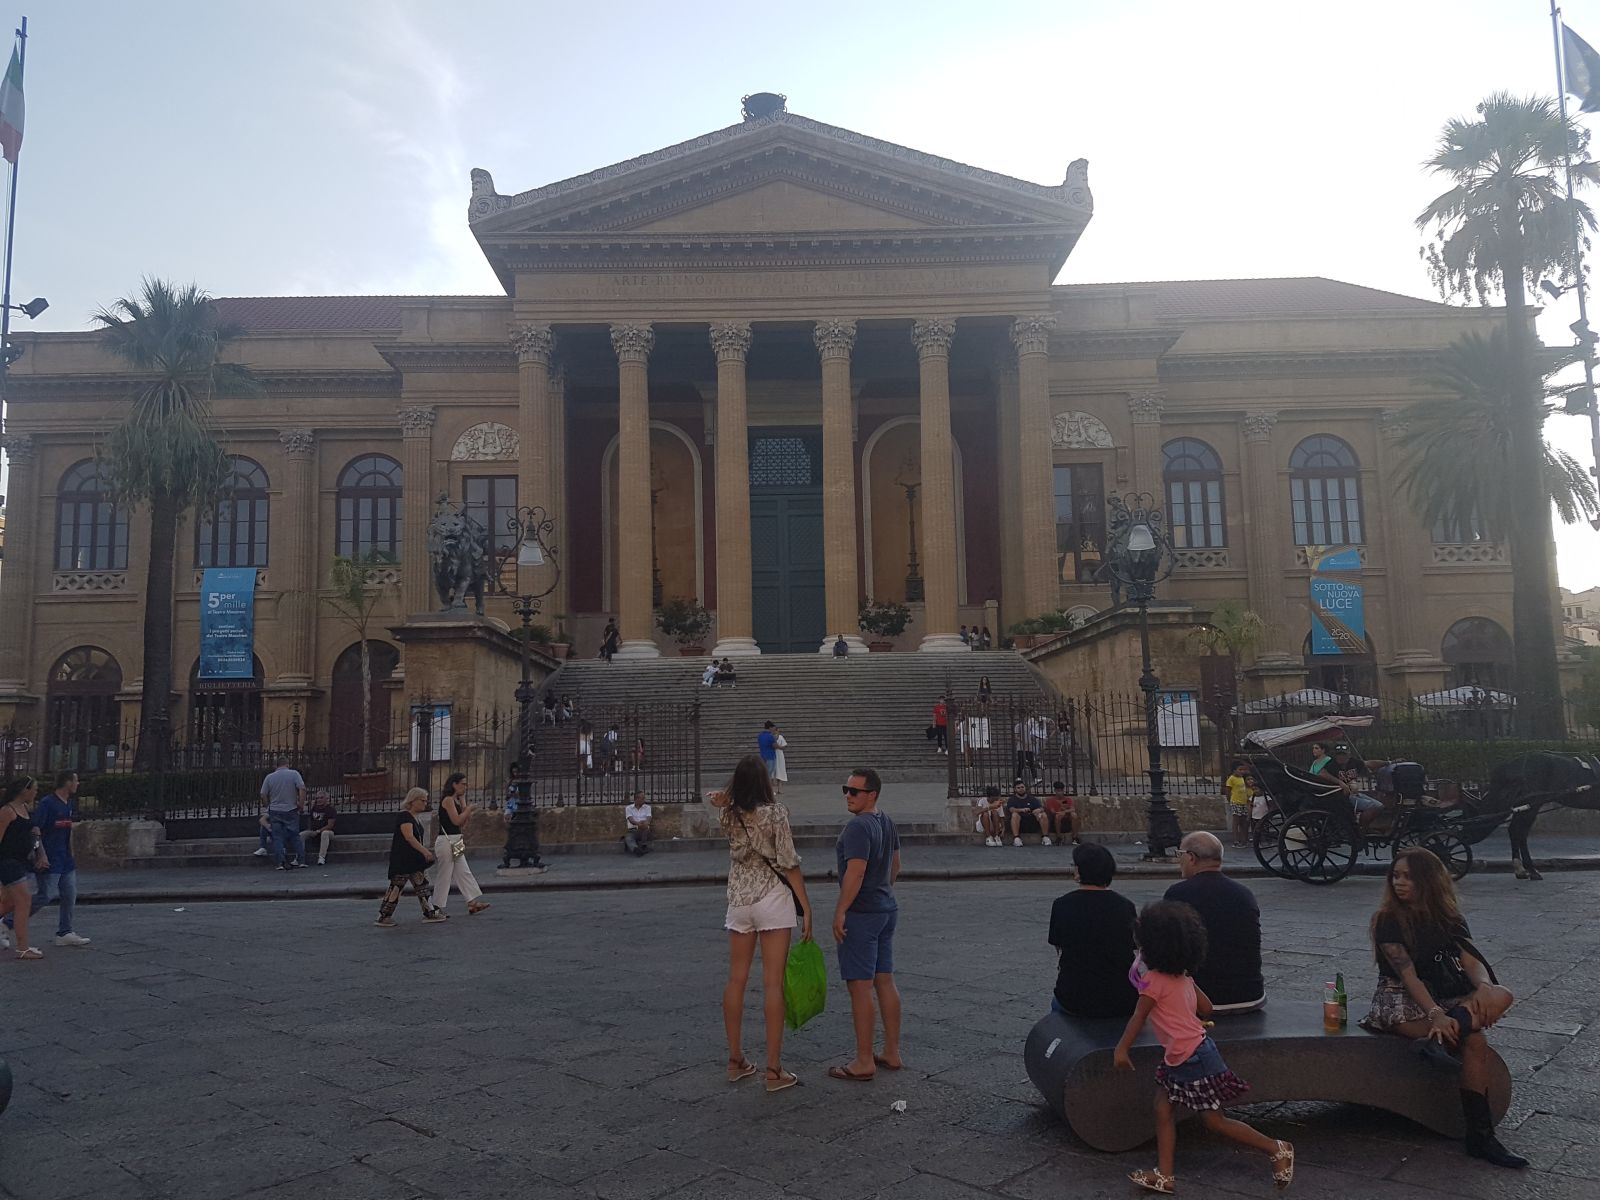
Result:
{"points": [[1481, 1141]]}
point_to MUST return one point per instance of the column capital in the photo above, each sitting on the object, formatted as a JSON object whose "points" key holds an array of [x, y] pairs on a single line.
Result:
{"points": [[1394, 423], [417, 421], [298, 443], [1258, 426], [834, 338], [633, 343], [1146, 405], [933, 335], [19, 448], [729, 339], [533, 343], [1031, 335]]}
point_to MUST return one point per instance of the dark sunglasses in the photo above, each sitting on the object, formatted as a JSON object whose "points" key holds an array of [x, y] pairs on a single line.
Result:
{"points": [[850, 791]]}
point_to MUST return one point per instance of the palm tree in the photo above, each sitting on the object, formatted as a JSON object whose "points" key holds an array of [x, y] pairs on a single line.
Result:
{"points": [[355, 592], [1505, 223], [1472, 424], [1234, 632], [165, 453]]}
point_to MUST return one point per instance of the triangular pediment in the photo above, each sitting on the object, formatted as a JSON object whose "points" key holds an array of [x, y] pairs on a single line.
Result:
{"points": [[779, 174]]}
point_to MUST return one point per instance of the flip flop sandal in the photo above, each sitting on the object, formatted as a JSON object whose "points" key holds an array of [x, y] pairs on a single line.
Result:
{"points": [[30, 952], [477, 907], [847, 1073], [742, 1069], [1154, 1181], [784, 1080], [886, 1064]]}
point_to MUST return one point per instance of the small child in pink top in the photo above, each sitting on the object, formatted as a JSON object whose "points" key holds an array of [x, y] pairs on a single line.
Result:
{"points": [[1172, 943]]}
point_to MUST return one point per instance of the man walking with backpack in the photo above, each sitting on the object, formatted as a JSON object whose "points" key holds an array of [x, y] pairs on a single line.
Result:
{"points": [[864, 923]]}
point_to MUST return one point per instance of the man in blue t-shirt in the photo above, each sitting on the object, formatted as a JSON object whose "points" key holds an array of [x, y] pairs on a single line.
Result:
{"points": [[864, 923], [767, 746], [59, 881]]}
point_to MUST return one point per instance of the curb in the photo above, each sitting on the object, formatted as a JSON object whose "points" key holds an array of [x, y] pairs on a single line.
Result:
{"points": [[555, 882]]}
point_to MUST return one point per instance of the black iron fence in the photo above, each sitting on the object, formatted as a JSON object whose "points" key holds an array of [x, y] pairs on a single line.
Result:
{"points": [[1098, 744], [598, 756]]}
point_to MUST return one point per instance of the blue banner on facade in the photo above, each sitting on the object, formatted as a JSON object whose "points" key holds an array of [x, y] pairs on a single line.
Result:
{"points": [[1334, 558], [227, 623], [1338, 616]]}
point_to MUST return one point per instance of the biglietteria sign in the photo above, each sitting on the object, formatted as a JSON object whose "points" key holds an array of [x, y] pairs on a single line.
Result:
{"points": [[1338, 612]]}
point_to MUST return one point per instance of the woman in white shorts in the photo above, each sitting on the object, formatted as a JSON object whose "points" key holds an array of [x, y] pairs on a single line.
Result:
{"points": [[764, 889]]}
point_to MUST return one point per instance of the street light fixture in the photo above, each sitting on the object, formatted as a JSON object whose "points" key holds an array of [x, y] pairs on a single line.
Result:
{"points": [[1139, 556], [531, 527]]}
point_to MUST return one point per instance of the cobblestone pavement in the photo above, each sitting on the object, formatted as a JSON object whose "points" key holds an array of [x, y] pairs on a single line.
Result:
{"points": [[568, 1044]]}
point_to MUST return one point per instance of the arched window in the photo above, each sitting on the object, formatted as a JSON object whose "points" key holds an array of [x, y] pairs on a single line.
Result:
{"points": [[234, 534], [224, 717], [91, 528], [344, 713], [1193, 475], [1346, 674], [83, 721], [369, 508], [1477, 651], [1325, 493]]}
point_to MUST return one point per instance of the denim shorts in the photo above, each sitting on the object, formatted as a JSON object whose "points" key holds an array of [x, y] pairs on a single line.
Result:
{"points": [[1362, 802], [868, 946]]}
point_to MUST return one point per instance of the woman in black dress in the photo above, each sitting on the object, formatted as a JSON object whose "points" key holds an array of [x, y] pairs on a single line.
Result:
{"points": [[408, 862], [20, 854], [1435, 987]]}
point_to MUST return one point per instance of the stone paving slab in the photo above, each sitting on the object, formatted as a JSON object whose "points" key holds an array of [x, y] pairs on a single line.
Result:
{"points": [[568, 1045], [689, 867]]}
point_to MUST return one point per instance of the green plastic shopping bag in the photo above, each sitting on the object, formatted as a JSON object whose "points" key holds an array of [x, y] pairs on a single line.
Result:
{"points": [[805, 984]]}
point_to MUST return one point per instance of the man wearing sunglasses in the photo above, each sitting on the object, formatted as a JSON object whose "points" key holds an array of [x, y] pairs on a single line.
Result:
{"points": [[864, 923]]}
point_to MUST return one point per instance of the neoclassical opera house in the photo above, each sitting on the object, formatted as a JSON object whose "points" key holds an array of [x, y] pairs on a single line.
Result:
{"points": [[781, 368]]}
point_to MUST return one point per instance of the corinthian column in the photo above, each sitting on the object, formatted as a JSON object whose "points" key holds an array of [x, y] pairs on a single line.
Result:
{"points": [[835, 339], [298, 590], [16, 582], [1267, 549], [932, 338], [1008, 442], [1145, 407], [416, 432], [557, 383], [735, 635], [633, 344], [533, 344], [1041, 587]]}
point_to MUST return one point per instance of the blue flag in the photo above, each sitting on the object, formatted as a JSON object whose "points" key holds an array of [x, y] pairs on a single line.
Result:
{"points": [[227, 623]]}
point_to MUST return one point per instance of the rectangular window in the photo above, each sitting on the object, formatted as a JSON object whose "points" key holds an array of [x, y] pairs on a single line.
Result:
{"points": [[1080, 522], [491, 501]]}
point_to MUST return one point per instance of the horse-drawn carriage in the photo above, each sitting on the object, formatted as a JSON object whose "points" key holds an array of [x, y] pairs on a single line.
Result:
{"points": [[1313, 833]]}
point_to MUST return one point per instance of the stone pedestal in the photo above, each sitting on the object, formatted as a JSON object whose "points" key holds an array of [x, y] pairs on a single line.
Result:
{"points": [[468, 661]]}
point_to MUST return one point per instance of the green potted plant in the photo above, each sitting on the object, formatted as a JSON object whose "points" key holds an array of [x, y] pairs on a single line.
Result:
{"points": [[686, 622], [561, 644], [884, 619], [1035, 631]]}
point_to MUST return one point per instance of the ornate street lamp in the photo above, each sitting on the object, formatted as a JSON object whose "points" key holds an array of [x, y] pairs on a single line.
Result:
{"points": [[1139, 556], [531, 527]]}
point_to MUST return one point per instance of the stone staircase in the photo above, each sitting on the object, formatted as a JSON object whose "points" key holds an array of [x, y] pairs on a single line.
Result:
{"points": [[864, 710]]}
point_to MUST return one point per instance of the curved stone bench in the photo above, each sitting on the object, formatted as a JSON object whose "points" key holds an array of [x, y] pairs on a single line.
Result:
{"points": [[1281, 1052]]}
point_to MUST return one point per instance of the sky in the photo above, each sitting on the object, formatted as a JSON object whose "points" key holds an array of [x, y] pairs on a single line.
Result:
{"points": [[296, 148]]}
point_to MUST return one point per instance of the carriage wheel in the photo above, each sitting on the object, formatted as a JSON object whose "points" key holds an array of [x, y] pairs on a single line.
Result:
{"points": [[1317, 847], [1447, 847], [1268, 830]]}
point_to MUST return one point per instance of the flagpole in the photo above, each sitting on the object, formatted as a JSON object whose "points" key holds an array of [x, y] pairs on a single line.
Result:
{"points": [[11, 232], [1593, 401]]}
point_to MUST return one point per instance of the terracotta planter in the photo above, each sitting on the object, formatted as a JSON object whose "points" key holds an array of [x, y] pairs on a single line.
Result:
{"points": [[560, 651], [692, 651], [367, 786], [880, 647]]}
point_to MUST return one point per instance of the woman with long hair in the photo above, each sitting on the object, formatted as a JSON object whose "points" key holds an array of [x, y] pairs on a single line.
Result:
{"points": [[21, 853], [1434, 986], [450, 848], [765, 889]]}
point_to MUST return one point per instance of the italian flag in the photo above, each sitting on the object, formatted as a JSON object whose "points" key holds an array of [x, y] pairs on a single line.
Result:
{"points": [[11, 110]]}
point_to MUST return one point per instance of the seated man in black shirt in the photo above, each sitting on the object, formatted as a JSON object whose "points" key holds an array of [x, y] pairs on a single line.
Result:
{"points": [[1023, 807], [1092, 931], [1231, 974]]}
